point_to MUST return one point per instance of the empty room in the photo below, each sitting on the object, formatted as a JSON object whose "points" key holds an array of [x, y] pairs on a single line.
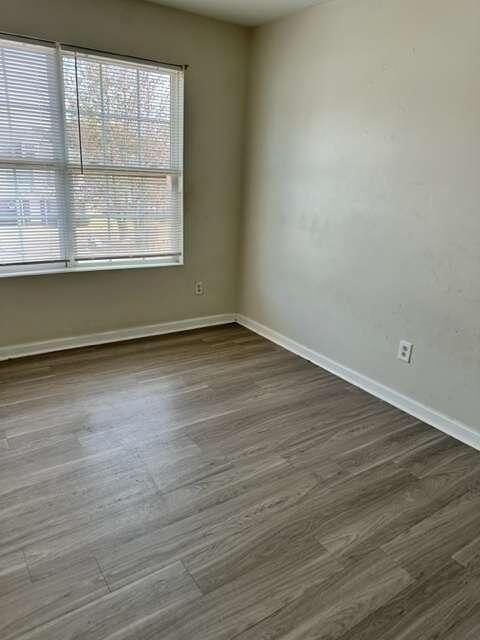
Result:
{"points": [[239, 320]]}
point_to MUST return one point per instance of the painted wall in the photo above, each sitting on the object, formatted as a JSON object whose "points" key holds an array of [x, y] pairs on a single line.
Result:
{"points": [[53, 306], [362, 222]]}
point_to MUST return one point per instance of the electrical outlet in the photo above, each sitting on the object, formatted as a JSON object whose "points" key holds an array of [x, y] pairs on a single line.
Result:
{"points": [[199, 290], [405, 351]]}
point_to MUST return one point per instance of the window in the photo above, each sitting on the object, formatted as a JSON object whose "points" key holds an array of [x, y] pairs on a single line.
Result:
{"points": [[91, 165]]}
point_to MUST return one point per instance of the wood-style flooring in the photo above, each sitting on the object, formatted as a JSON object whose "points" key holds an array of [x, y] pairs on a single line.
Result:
{"points": [[209, 485]]}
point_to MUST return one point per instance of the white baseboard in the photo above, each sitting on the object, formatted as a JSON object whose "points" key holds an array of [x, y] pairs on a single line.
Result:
{"points": [[47, 346], [436, 419]]}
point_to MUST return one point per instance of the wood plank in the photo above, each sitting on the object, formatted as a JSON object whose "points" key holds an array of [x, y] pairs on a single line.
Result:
{"points": [[328, 611], [13, 572], [174, 541], [73, 500], [237, 555], [434, 540], [438, 606], [228, 611], [119, 613], [30, 605]]}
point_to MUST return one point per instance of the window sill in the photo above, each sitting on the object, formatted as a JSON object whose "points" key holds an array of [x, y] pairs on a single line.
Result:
{"points": [[106, 267]]}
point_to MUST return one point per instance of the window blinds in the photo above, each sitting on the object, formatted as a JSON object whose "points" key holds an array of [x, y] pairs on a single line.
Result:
{"points": [[31, 153], [91, 165]]}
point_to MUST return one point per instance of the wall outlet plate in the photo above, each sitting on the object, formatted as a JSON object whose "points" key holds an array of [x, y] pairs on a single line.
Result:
{"points": [[405, 351], [199, 290]]}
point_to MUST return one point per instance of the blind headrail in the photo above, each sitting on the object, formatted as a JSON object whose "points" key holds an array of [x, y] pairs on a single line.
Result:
{"points": [[72, 47]]}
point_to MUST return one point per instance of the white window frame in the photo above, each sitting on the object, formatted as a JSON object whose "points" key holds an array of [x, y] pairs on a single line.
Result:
{"points": [[70, 264]]}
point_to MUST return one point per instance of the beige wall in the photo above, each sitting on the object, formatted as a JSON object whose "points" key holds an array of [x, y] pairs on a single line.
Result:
{"points": [[42, 307], [363, 198]]}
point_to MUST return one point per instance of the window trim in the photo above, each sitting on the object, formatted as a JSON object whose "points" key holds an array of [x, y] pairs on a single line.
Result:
{"points": [[54, 267], [71, 264]]}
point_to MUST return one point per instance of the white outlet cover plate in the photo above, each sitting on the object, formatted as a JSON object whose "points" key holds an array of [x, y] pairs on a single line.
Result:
{"points": [[405, 351]]}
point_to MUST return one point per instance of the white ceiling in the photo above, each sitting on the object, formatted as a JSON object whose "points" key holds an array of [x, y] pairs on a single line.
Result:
{"points": [[246, 12]]}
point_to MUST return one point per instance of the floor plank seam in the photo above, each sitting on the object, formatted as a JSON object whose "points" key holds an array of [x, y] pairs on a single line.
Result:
{"points": [[26, 566], [139, 457], [308, 472], [257, 623], [202, 592], [102, 574]]}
